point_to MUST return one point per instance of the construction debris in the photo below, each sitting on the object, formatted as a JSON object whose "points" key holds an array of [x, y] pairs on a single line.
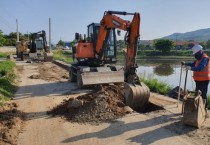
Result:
{"points": [[104, 104]]}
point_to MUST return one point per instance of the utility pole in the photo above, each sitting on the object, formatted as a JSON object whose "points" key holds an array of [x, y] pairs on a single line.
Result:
{"points": [[17, 30], [49, 33]]}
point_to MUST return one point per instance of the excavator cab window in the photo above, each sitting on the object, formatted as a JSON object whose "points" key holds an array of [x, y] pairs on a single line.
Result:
{"points": [[110, 51], [93, 29], [39, 44]]}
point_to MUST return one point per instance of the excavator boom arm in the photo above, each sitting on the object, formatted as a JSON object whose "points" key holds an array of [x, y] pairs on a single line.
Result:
{"points": [[111, 21], [108, 22]]}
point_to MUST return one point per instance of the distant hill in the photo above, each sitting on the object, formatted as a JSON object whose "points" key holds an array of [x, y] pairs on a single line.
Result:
{"points": [[198, 35]]}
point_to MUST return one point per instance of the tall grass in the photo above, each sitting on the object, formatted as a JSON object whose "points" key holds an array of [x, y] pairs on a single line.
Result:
{"points": [[7, 77], [63, 56], [155, 85], [3, 55]]}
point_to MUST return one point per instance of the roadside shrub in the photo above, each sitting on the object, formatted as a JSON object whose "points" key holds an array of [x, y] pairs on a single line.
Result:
{"points": [[7, 76], [6, 67], [63, 56]]}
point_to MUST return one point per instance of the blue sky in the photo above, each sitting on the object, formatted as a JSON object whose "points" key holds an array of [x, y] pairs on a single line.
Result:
{"points": [[158, 17]]}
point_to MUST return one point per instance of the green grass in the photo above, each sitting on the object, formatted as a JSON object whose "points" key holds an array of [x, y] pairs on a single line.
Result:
{"points": [[156, 86], [6, 67], [7, 77], [3, 55], [63, 56]]}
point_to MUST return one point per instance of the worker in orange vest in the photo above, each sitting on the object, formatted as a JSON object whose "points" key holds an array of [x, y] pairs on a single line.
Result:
{"points": [[201, 71]]}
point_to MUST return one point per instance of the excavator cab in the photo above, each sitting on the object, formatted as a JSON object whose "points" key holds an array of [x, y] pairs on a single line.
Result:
{"points": [[86, 46], [110, 47]]}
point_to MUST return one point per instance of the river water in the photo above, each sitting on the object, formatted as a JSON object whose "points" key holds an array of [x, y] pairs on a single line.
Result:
{"points": [[167, 71]]}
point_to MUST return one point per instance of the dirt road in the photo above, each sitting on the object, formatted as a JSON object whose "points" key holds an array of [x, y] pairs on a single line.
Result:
{"points": [[38, 94]]}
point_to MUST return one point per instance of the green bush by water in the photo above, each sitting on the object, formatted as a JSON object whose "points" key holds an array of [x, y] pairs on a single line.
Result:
{"points": [[156, 86], [7, 77]]}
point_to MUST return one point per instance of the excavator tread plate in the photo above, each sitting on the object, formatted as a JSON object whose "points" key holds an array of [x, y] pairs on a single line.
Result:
{"points": [[90, 78]]}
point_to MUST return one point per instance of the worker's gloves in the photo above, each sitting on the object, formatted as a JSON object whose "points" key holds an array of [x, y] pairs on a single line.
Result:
{"points": [[187, 68], [183, 63]]}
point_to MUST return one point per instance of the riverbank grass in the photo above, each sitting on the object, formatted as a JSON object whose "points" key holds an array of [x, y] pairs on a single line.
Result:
{"points": [[7, 77], [156, 86]]}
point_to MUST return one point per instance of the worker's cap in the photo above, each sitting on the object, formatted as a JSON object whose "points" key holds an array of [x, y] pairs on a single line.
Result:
{"points": [[196, 48]]}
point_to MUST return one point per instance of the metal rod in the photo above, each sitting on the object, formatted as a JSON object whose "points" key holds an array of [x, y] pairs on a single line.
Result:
{"points": [[179, 87], [185, 81]]}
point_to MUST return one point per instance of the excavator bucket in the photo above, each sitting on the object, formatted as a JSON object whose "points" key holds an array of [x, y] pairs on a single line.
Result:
{"points": [[48, 56], [91, 78], [136, 96]]}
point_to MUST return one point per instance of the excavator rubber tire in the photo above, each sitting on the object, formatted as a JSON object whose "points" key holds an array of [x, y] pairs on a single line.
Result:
{"points": [[136, 96], [72, 77]]}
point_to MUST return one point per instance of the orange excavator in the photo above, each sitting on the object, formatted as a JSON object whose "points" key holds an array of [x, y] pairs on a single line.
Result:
{"points": [[96, 57]]}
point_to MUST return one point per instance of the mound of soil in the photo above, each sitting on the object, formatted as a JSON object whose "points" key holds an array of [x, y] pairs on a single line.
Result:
{"points": [[104, 104], [10, 123]]}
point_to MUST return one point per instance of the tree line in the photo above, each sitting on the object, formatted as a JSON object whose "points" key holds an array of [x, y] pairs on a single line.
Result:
{"points": [[164, 45], [10, 39]]}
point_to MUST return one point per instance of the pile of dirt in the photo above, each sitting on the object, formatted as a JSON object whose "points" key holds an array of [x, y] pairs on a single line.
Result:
{"points": [[50, 72], [10, 123], [104, 104]]}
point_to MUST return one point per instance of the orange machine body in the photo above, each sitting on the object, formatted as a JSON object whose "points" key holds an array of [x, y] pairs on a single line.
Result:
{"points": [[84, 50]]}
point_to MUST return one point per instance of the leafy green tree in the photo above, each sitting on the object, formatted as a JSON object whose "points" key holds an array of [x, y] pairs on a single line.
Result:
{"points": [[141, 46], [121, 44], [60, 43], [164, 45], [208, 44], [11, 39], [203, 45], [2, 39], [24, 37], [73, 42]]}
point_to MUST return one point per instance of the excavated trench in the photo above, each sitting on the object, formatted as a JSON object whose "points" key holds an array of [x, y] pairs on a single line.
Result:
{"points": [[106, 103], [150, 108]]}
